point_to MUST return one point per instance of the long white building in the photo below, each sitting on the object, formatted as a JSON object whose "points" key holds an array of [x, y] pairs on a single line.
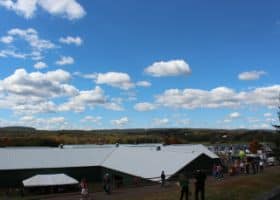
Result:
{"points": [[123, 162]]}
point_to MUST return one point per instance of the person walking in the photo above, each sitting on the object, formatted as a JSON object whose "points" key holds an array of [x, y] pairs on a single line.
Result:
{"points": [[242, 167], [200, 178], [184, 184], [106, 182], [84, 189], [247, 167], [261, 166], [162, 177]]}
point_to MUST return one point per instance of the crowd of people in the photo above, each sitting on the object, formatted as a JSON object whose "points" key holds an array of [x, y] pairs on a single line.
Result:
{"points": [[239, 166], [246, 166]]}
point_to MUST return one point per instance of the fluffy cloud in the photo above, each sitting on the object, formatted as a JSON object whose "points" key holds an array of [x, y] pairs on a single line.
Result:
{"points": [[70, 9], [219, 97], [36, 46], [145, 106], [120, 122], [231, 117], [65, 60], [85, 98], [143, 84], [251, 75], [31, 36], [234, 115], [43, 123], [115, 79], [12, 53], [169, 68], [7, 39], [91, 99], [50, 84], [267, 115], [160, 122], [71, 40], [40, 65], [33, 92], [91, 119]]}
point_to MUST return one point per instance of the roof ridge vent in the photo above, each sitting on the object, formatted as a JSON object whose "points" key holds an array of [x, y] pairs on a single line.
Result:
{"points": [[158, 148]]}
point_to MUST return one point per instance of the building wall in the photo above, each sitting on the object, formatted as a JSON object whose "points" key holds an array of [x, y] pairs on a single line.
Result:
{"points": [[203, 162], [120, 179], [13, 178]]}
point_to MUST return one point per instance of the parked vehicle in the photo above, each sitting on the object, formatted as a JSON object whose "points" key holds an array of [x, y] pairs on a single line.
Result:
{"points": [[271, 159]]}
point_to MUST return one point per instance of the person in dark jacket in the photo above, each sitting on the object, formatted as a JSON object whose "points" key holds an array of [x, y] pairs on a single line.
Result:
{"points": [[107, 183], [200, 178], [162, 177], [184, 184]]}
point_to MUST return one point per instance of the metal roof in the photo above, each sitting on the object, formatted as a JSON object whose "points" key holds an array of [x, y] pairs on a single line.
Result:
{"points": [[191, 148], [148, 162], [145, 161], [12, 159]]}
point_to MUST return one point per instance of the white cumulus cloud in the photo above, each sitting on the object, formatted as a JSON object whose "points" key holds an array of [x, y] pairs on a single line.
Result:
{"points": [[143, 84], [120, 122], [160, 122], [40, 65], [71, 40], [234, 115], [219, 97], [168, 68], [115, 79], [12, 53], [24, 92], [43, 123], [267, 115], [251, 75], [90, 99], [145, 106], [37, 84], [65, 60], [7, 39], [35, 48], [69, 9], [31, 36], [91, 119]]}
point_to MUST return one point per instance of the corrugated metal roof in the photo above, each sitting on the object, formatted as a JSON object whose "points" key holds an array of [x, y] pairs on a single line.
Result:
{"points": [[148, 162], [191, 148], [49, 180], [12, 159]]}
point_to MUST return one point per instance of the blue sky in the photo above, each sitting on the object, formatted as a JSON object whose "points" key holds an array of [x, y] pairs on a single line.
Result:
{"points": [[77, 64]]}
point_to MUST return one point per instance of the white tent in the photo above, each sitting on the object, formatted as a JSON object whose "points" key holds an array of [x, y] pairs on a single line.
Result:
{"points": [[49, 180]]}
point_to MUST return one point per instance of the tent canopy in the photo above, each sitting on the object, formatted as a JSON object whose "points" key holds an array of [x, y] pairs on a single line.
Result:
{"points": [[49, 180]]}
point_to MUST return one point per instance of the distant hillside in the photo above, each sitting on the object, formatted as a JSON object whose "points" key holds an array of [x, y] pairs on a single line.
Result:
{"points": [[27, 136], [15, 129]]}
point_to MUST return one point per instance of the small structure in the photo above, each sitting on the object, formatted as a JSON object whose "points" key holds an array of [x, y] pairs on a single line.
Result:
{"points": [[50, 183]]}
